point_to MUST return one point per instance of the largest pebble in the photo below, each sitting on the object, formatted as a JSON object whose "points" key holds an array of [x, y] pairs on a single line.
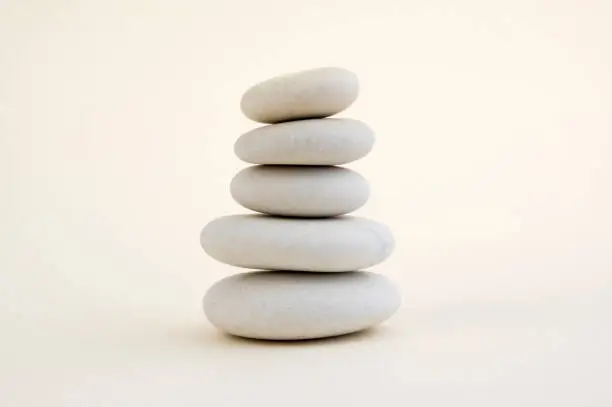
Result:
{"points": [[292, 305]]}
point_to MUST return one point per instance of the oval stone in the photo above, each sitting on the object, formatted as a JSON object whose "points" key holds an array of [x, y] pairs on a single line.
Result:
{"points": [[293, 305], [312, 93], [254, 241], [306, 142], [299, 190]]}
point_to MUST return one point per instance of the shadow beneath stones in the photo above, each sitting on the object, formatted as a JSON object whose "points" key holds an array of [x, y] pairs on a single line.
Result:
{"points": [[361, 336]]}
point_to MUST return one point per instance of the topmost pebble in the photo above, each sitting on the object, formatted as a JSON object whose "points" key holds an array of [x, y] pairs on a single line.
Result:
{"points": [[310, 94]]}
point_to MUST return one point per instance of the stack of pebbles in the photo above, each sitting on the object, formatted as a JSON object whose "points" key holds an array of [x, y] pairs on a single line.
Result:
{"points": [[309, 253]]}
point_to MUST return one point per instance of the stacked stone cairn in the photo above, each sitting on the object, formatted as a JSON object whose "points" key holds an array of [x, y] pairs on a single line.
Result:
{"points": [[305, 253]]}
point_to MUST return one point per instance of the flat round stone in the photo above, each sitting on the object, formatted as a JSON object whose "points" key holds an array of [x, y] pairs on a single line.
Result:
{"points": [[277, 305], [306, 142], [254, 241], [301, 191], [307, 94]]}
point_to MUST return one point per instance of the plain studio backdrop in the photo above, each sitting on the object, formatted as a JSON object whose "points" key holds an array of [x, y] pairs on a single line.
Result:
{"points": [[492, 166]]}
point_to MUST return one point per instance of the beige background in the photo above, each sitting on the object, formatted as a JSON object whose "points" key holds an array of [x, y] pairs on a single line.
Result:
{"points": [[493, 166]]}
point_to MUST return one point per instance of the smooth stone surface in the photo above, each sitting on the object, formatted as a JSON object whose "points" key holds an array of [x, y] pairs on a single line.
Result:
{"points": [[294, 305], [312, 93], [299, 190], [306, 142], [344, 243]]}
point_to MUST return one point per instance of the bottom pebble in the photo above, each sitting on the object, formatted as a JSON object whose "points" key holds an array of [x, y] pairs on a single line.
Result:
{"points": [[293, 305]]}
